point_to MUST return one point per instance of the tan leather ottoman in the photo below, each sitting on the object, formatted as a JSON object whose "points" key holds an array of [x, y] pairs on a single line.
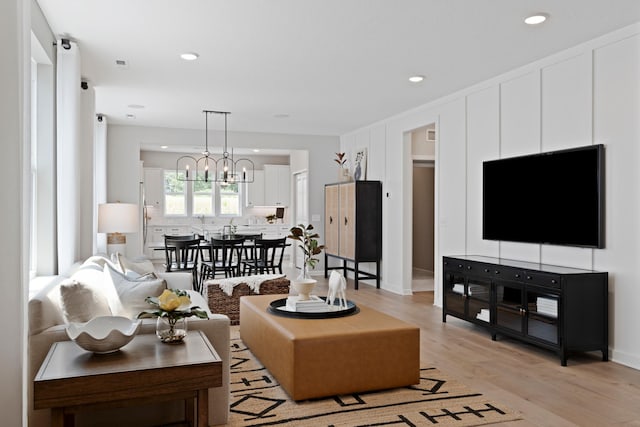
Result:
{"points": [[325, 357]]}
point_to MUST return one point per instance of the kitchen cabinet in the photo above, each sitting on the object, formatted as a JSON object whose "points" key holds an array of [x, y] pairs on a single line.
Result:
{"points": [[277, 185], [254, 191], [154, 188], [353, 227]]}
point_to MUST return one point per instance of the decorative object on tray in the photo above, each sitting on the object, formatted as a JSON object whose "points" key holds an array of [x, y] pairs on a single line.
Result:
{"points": [[172, 308], [309, 245], [103, 334], [271, 218], [313, 308], [337, 289], [343, 172]]}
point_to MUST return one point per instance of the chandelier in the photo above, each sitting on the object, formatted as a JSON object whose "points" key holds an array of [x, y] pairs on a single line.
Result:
{"points": [[225, 170]]}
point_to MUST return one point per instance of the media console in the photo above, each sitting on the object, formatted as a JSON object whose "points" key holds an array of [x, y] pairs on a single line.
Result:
{"points": [[559, 308]]}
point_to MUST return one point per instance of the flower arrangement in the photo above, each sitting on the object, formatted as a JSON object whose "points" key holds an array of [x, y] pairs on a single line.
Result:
{"points": [[171, 306], [309, 245], [271, 218], [340, 159]]}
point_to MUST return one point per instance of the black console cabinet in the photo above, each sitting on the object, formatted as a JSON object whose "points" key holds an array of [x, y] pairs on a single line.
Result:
{"points": [[559, 308]]}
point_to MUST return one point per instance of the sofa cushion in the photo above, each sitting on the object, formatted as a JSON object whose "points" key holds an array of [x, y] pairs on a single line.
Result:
{"points": [[140, 266], [132, 292], [82, 302]]}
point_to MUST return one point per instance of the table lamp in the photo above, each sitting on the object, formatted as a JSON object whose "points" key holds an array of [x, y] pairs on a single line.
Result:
{"points": [[115, 219]]}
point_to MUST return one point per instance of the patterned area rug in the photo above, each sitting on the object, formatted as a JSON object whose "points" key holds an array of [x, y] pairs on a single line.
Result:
{"points": [[258, 400]]}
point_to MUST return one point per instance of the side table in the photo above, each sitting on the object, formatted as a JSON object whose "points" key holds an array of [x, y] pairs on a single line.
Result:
{"points": [[145, 370]]}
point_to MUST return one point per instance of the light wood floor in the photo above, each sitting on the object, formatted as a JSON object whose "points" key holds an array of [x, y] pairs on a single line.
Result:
{"points": [[587, 392]]}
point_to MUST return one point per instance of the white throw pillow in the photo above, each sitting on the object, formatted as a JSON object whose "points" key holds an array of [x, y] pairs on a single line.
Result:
{"points": [[82, 302], [141, 267], [131, 293]]}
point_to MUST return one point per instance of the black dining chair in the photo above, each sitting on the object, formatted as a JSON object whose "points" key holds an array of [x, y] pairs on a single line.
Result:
{"points": [[181, 253], [224, 257], [268, 257]]}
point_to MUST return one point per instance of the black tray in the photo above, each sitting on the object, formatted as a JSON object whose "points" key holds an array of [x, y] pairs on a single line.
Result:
{"points": [[273, 309]]}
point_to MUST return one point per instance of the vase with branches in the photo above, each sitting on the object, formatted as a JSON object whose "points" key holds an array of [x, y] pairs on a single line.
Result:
{"points": [[308, 244]]}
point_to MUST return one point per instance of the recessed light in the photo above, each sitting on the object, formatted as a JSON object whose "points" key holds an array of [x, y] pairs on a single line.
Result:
{"points": [[136, 106], [416, 79], [255, 150], [164, 147], [281, 116], [189, 56], [536, 19], [131, 116]]}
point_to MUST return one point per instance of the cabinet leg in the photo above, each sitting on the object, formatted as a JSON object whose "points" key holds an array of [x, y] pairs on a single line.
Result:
{"points": [[326, 260], [605, 354], [563, 358], [344, 269], [355, 273], [378, 274]]}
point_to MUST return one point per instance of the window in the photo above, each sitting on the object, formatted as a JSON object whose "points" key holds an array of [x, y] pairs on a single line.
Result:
{"points": [[175, 200], [229, 199], [202, 198]]}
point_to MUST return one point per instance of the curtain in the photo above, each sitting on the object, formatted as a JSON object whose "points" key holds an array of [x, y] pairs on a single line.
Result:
{"points": [[68, 106]]}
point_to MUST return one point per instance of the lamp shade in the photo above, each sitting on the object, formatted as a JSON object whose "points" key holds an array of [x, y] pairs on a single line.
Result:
{"points": [[117, 218]]}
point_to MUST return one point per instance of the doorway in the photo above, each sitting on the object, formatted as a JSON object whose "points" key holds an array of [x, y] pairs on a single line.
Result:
{"points": [[300, 209], [423, 155]]}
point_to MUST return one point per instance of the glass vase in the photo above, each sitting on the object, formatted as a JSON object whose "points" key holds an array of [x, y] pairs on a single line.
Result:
{"points": [[171, 331]]}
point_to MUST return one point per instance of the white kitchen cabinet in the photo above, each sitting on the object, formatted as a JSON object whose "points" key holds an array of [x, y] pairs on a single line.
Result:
{"points": [[277, 185], [155, 237], [154, 187], [254, 191]]}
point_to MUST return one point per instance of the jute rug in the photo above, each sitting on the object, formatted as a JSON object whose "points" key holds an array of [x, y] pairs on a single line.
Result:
{"points": [[258, 400]]}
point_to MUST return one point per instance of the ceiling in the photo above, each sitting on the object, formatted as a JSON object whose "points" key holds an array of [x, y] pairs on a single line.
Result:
{"points": [[317, 67]]}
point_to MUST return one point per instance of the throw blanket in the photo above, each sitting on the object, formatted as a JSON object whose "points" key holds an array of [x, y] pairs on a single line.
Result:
{"points": [[254, 282]]}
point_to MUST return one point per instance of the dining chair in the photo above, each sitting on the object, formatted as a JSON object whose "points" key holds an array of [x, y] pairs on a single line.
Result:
{"points": [[181, 253], [224, 257], [268, 257]]}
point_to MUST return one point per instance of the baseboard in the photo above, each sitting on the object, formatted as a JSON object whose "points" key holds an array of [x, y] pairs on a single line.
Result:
{"points": [[627, 359]]}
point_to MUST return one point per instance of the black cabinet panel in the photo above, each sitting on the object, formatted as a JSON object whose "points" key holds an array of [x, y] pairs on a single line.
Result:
{"points": [[560, 308]]}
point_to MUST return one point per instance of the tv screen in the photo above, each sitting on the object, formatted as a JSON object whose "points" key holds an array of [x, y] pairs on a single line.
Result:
{"points": [[554, 198]]}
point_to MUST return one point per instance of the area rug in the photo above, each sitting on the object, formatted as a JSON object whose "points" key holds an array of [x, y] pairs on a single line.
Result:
{"points": [[258, 400]]}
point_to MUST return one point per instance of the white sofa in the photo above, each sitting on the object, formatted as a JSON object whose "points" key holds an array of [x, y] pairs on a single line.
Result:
{"points": [[47, 325]]}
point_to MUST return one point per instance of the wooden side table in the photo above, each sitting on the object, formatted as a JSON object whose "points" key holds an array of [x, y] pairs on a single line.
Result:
{"points": [[145, 370]]}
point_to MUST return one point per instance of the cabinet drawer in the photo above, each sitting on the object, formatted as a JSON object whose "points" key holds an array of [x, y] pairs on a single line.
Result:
{"points": [[542, 279]]}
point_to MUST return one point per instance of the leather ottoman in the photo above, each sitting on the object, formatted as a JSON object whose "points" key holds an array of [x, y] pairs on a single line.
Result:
{"points": [[325, 357]]}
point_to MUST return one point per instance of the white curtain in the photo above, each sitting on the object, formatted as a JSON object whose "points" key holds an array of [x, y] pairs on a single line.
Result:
{"points": [[68, 149], [100, 179]]}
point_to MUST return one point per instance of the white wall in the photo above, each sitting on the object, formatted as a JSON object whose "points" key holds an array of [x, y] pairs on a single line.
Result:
{"points": [[586, 95], [124, 154], [14, 173]]}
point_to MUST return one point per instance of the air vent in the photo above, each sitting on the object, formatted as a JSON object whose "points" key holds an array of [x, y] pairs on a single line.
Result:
{"points": [[431, 135], [122, 64]]}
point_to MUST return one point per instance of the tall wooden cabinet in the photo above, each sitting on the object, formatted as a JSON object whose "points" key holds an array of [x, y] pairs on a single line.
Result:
{"points": [[353, 227]]}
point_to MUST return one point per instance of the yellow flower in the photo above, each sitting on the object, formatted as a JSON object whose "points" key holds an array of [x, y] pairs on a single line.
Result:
{"points": [[169, 301]]}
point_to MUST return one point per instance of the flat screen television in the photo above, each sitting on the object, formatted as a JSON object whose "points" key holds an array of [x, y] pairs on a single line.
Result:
{"points": [[553, 198]]}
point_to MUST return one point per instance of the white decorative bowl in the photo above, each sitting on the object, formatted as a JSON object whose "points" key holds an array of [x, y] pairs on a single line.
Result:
{"points": [[104, 334]]}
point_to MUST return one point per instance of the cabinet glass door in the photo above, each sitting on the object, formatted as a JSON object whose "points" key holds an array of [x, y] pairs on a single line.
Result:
{"points": [[478, 299], [510, 306], [454, 292], [542, 315]]}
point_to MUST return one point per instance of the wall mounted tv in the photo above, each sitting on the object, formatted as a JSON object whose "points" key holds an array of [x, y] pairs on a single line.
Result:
{"points": [[554, 198]]}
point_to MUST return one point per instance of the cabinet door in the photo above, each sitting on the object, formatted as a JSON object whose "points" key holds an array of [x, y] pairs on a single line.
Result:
{"points": [[154, 188], [277, 185], [331, 218], [454, 294], [478, 299], [255, 190], [542, 314], [510, 306], [347, 222]]}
